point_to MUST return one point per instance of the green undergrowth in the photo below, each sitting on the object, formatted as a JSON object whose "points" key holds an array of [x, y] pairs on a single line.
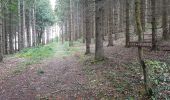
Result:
{"points": [[35, 55], [159, 73], [47, 51], [126, 78]]}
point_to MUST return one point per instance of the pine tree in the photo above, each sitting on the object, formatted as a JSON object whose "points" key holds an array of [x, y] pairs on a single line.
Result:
{"points": [[99, 50]]}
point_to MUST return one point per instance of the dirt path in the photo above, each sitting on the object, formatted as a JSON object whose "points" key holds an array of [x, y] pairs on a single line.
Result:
{"points": [[54, 78], [39, 80], [68, 78]]}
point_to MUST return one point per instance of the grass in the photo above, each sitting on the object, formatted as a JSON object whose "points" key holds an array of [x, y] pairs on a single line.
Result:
{"points": [[37, 54], [47, 51]]}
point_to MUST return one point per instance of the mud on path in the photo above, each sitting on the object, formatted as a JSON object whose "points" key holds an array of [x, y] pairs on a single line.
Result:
{"points": [[76, 78]]}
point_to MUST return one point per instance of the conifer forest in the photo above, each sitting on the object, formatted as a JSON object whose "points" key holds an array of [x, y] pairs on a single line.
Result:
{"points": [[84, 49]]}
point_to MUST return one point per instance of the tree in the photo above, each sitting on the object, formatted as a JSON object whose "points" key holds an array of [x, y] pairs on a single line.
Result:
{"points": [[23, 28], [127, 23], [143, 17], [110, 37], [88, 35], [166, 36], [33, 22], [1, 50], [28, 20], [99, 50], [10, 26], [71, 23], [153, 9], [44, 17], [140, 51]]}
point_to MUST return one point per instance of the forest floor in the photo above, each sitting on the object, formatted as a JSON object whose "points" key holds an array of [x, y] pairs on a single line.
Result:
{"points": [[78, 77]]}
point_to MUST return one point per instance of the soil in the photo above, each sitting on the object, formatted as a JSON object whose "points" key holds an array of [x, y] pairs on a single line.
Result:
{"points": [[77, 77]]}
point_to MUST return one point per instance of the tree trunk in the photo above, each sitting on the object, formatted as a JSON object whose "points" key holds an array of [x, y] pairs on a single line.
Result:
{"points": [[62, 34], [1, 50], [153, 6], [140, 51], [99, 50], [165, 20], [84, 23], [116, 19], [88, 35], [71, 23], [143, 9], [110, 18], [127, 23], [28, 27], [10, 32], [21, 9], [33, 22]]}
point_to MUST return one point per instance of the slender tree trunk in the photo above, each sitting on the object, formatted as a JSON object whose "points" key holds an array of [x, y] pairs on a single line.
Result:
{"points": [[165, 20], [6, 33], [22, 23], [143, 9], [121, 16], [88, 35], [10, 32], [21, 14], [140, 51], [110, 14], [153, 6], [28, 27], [139, 26], [33, 22], [84, 23], [66, 30], [116, 19], [127, 23], [3, 31], [71, 24], [99, 50], [1, 49], [62, 34]]}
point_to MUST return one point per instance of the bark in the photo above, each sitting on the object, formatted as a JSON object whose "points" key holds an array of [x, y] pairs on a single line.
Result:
{"points": [[71, 24], [165, 20], [66, 31], [84, 23], [3, 31], [116, 19], [99, 50], [22, 24], [110, 20], [127, 23], [143, 9], [28, 27], [21, 21], [33, 22], [6, 33], [10, 31], [153, 6], [121, 16], [140, 51], [62, 34], [88, 35], [1, 50]]}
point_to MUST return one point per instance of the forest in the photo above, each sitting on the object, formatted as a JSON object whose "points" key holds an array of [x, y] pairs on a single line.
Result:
{"points": [[84, 50]]}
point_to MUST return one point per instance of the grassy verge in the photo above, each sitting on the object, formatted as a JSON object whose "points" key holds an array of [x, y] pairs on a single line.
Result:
{"points": [[37, 54]]}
